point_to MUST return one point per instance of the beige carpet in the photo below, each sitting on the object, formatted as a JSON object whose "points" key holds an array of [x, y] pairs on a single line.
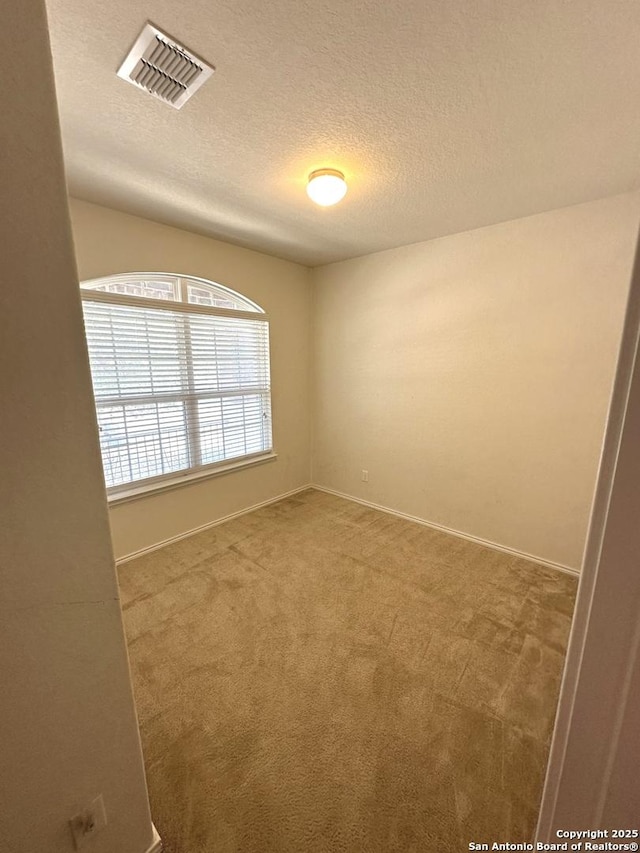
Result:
{"points": [[319, 677]]}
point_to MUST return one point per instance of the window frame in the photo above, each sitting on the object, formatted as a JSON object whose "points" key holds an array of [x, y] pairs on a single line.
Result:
{"points": [[175, 479]]}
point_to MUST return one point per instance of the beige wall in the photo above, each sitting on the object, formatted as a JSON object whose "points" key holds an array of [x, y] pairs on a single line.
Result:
{"points": [[67, 721], [471, 375], [107, 242]]}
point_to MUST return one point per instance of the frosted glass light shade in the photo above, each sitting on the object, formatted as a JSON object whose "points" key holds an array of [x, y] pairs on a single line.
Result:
{"points": [[326, 187]]}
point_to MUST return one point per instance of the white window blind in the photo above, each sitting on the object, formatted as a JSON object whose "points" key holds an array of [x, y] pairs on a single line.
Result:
{"points": [[178, 387]]}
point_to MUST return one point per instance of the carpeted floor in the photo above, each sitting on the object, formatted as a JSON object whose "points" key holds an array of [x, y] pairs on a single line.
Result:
{"points": [[319, 677]]}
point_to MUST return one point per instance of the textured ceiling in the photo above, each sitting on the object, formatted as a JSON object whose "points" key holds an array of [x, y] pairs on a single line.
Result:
{"points": [[445, 115]]}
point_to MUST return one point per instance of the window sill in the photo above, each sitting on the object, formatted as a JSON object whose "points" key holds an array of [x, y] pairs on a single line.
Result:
{"points": [[177, 481]]}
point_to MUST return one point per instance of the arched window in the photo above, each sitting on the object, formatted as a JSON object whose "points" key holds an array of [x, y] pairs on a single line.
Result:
{"points": [[181, 378]]}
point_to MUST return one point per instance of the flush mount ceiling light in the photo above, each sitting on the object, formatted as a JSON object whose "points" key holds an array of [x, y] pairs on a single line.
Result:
{"points": [[326, 187]]}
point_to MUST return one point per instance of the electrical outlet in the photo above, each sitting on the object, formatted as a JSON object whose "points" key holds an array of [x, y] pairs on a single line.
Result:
{"points": [[365, 476], [88, 823]]}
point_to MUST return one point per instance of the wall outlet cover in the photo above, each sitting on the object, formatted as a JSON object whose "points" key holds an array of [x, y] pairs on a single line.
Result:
{"points": [[88, 823]]}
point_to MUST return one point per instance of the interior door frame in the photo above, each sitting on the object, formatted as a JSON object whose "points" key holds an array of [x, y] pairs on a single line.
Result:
{"points": [[593, 747]]}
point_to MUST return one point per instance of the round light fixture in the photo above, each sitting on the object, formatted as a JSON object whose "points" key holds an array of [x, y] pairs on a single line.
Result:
{"points": [[326, 187]]}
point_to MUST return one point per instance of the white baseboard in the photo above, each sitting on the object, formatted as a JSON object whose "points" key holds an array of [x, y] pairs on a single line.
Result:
{"points": [[156, 846], [208, 525], [487, 543], [476, 539]]}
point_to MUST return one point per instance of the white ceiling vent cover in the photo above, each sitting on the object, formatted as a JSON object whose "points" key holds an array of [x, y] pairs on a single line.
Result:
{"points": [[164, 68]]}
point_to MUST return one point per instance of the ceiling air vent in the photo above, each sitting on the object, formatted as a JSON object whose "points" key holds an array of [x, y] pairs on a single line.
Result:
{"points": [[164, 68]]}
